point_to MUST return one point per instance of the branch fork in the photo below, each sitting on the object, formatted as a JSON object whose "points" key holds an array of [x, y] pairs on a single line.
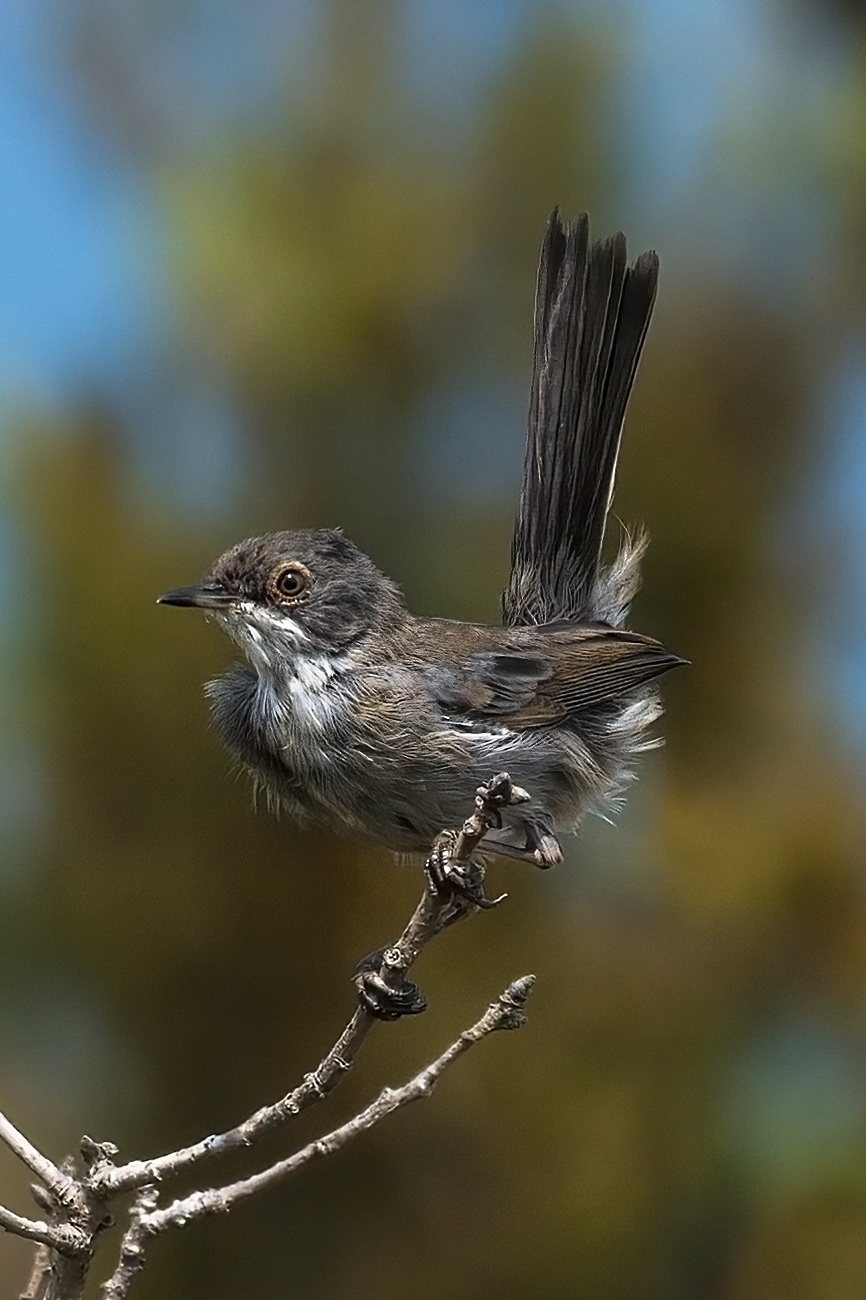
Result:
{"points": [[77, 1204]]}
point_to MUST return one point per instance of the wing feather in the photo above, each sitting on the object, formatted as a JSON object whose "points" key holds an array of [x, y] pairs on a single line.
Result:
{"points": [[585, 667]]}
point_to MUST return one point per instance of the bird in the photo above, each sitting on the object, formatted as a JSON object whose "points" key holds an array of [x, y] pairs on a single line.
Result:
{"points": [[351, 712]]}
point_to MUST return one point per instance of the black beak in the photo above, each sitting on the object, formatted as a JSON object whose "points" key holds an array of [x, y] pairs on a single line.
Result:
{"points": [[201, 597]]}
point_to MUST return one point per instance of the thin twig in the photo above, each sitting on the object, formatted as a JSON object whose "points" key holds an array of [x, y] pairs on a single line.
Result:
{"points": [[60, 1236], [36, 1162], [454, 889], [489, 798], [433, 912], [505, 1013], [107, 1180], [131, 1257]]}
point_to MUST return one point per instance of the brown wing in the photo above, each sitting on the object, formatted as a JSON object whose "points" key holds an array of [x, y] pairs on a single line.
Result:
{"points": [[573, 669]]}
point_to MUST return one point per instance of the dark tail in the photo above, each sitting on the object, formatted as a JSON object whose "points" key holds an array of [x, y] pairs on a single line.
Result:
{"points": [[592, 311]]}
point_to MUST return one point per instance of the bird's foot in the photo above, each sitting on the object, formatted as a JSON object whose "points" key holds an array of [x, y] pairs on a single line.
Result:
{"points": [[383, 990], [541, 841], [494, 795], [542, 846], [457, 883]]}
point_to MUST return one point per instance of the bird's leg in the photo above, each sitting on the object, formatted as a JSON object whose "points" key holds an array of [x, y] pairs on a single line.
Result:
{"points": [[455, 888], [451, 867], [458, 882], [450, 894]]}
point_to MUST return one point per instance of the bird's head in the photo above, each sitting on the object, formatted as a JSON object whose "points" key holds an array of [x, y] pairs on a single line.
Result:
{"points": [[310, 590]]}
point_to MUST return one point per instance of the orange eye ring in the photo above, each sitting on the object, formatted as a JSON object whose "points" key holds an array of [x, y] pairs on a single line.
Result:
{"points": [[289, 583]]}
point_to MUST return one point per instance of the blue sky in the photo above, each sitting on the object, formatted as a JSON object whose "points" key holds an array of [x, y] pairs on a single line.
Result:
{"points": [[79, 234], [76, 239]]}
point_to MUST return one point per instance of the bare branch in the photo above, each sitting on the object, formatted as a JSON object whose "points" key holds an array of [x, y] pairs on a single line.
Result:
{"points": [[455, 890], [40, 1274], [147, 1221], [505, 1013], [77, 1206], [434, 912], [37, 1163], [489, 798], [131, 1259], [107, 1180], [61, 1236]]}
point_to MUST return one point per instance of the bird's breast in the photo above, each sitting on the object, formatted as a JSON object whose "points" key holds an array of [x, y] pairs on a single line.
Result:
{"points": [[300, 711]]}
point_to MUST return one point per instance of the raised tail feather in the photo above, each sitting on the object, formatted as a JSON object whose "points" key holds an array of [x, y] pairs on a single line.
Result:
{"points": [[592, 311]]}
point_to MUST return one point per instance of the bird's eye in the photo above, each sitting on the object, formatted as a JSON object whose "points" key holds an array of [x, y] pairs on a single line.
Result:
{"points": [[289, 583]]}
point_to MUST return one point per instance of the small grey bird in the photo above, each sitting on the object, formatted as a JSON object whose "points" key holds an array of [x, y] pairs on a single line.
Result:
{"points": [[351, 711]]}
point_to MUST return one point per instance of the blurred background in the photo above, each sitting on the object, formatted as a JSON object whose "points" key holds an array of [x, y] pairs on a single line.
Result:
{"points": [[270, 264]]}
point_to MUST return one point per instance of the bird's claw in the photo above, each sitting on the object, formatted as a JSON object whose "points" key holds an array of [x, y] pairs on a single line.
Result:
{"points": [[500, 792], [541, 841], [461, 883], [379, 997]]}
